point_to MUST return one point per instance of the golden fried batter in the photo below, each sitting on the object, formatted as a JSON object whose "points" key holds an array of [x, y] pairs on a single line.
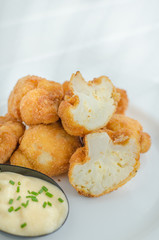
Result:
{"points": [[35, 100], [46, 148], [66, 88], [123, 102], [87, 106], [121, 106], [123, 123], [109, 158], [10, 132], [104, 163]]}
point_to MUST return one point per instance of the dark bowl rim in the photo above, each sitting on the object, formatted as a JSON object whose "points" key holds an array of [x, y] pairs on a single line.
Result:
{"points": [[45, 178]]}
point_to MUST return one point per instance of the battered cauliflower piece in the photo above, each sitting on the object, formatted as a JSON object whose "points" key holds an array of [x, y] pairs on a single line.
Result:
{"points": [[87, 106], [121, 106], [10, 132], [123, 102], [105, 163], [46, 148], [35, 100], [109, 158], [66, 89], [122, 123]]}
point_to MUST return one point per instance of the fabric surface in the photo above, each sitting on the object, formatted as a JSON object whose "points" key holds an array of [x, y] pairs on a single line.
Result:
{"points": [[53, 39], [116, 38]]}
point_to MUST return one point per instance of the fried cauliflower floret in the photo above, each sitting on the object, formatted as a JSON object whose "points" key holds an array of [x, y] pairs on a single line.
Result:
{"points": [[125, 124], [105, 163], [10, 132], [35, 100], [46, 148], [123, 102], [87, 106], [66, 89]]}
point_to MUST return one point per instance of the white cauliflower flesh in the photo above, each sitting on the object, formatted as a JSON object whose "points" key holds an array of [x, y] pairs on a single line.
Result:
{"points": [[96, 103], [106, 164]]}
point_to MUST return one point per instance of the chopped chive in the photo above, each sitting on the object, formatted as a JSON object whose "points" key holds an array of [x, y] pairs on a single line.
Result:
{"points": [[18, 189], [49, 203], [29, 192], [10, 209], [25, 204], [60, 200], [19, 183], [49, 194], [30, 197], [17, 209], [44, 204], [10, 201], [11, 182], [19, 197], [23, 225], [45, 188], [34, 199], [34, 193], [40, 191]]}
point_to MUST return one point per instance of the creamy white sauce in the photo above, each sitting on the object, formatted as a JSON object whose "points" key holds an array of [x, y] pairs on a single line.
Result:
{"points": [[39, 220]]}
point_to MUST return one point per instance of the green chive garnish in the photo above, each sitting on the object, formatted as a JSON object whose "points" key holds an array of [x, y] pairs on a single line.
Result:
{"points": [[44, 204], [23, 225], [29, 192], [34, 199], [19, 183], [49, 194], [60, 200], [45, 188], [40, 191], [18, 189], [30, 197], [25, 204], [10, 209], [10, 201], [18, 198], [34, 193], [49, 203], [11, 182], [17, 209]]}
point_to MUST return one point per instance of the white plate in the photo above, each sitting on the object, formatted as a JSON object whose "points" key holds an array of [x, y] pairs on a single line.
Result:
{"points": [[131, 212], [117, 38]]}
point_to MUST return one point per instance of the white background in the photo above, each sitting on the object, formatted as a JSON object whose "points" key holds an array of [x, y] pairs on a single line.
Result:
{"points": [[117, 38]]}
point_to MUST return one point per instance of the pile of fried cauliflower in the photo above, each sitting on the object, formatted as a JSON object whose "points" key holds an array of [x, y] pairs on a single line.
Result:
{"points": [[79, 127]]}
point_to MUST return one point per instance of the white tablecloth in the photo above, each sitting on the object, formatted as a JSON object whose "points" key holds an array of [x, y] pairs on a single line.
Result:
{"points": [[54, 38]]}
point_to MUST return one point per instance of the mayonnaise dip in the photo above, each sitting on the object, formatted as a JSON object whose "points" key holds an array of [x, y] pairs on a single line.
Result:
{"points": [[30, 206]]}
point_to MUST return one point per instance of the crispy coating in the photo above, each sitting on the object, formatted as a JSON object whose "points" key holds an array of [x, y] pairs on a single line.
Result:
{"points": [[35, 100], [123, 123], [109, 158], [10, 132], [121, 106], [87, 106], [66, 88], [106, 162], [145, 142], [46, 148], [123, 102]]}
